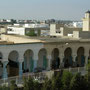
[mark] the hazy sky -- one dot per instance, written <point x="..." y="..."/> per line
<point x="44" y="9"/>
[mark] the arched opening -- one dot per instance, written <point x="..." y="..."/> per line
<point x="80" y="59"/>
<point x="68" y="58"/>
<point x="55" y="59"/>
<point x="1" y="65"/>
<point x="28" y="64"/>
<point x="42" y="59"/>
<point x="13" y="65"/>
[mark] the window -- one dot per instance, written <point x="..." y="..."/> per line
<point x="58" y="31"/>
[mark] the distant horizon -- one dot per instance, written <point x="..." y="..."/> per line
<point x="40" y="19"/>
<point x="73" y="10"/>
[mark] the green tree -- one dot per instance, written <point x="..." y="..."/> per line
<point x="13" y="86"/>
<point x="13" y="21"/>
<point x="88" y="74"/>
<point x="56" y="82"/>
<point x="4" y="87"/>
<point x="26" y="87"/>
<point x="37" y="85"/>
<point x="28" y="84"/>
<point x="47" y="84"/>
<point x="31" y="33"/>
<point x="66" y="79"/>
<point x="78" y="82"/>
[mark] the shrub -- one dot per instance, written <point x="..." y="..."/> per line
<point x="78" y="82"/>
<point x="66" y="79"/>
<point x="13" y="85"/>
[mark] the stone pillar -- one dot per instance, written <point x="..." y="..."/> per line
<point x="35" y="59"/>
<point x="49" y="62"/>
<point x="5" y="74"/>
<point x="61" y="55"/>
<point x="86" y="54"/>
<point x="86" y="60"/>
<point x="74" y="59"/>
<point x="74" y="54"/>
<point x="20" y="69"/>
<point x="35" y="62"/>
<point x="61" y="60"/>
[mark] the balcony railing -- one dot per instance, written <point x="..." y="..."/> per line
<point x="19" y="80"/>
<point x="41" y="75"/>
<point x="81" y="70"/>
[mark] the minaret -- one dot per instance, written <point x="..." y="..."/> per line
<point x="86" y="21"/>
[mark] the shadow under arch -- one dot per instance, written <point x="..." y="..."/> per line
<point x="1" y="65"/>
<point x="28" y="64"/>
<point x="55" y="59"/>
<point x="80" y="59"/>
<point x="13" y="65"/>
<point x="68" y="62"/>
<point x="42" y="59"/>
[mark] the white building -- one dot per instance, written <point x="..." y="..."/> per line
<point x="16" y="30"/>
<point x="61" y="30"/>
<point x="23" y="30"/>
<point x="36" y="25"/>
<point x="77" y="24"/>
<point x="86" y="21"/>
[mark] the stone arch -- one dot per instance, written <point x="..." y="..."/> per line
<point x="28" y="64"/>
<point x="1" y="56"/>
<point x="13" y="65"/>
<point x="55" y="59"/>
<point x="42" y="59"/>
<point x="68" y="57"/>
<point x="80" y="59"/>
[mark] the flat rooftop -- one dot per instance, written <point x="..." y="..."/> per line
<point x="5" y="42"/>
<point x="17" y="39"/>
